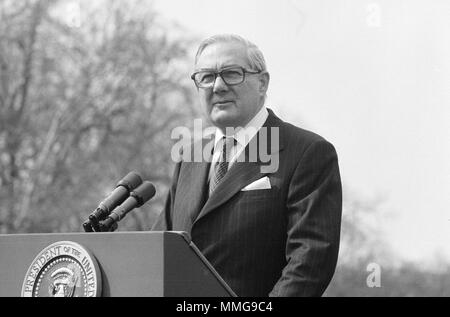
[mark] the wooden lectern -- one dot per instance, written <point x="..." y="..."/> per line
<point x="131" y="263"/>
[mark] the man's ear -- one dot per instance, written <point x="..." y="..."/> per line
<point x="264" y="80"/>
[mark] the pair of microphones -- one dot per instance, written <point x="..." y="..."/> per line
<point x="131" y="192"/>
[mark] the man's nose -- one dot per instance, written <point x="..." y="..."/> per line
<point x="219" y="85"/>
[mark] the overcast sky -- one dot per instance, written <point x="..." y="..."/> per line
<point x="373" y="77"/>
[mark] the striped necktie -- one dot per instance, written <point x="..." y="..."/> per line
<point x="221" y="166"/>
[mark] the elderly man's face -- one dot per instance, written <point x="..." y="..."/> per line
<point x="231" y="106"/>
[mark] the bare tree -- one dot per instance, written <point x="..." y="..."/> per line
<point x="80" y="107"/>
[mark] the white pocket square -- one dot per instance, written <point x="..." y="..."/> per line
<point x="262" y="183"/>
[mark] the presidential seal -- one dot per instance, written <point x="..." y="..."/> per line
<point x="63" y="269"/>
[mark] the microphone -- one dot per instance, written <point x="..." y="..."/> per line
<point x="137" y="198"/>
<point x="131" y="181"/>
<point x="118" y="195"/>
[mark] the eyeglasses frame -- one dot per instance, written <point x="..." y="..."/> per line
<point x="219" y="73"/>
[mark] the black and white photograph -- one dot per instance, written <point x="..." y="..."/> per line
<point x="224" y="153"/>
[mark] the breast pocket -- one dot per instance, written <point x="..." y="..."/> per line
<point x="257" y="194"/>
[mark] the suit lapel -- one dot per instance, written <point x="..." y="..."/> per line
<point x="243" y="172"/>
<point x="191" y="193"/>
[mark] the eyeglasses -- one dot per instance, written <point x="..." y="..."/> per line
<point x="231" y="76"/>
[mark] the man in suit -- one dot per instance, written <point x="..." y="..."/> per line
<point x="267" y="231"/>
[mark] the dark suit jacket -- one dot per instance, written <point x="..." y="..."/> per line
<point x="281" y="241"/>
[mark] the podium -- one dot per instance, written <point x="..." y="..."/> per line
<point x="136" y="264"/>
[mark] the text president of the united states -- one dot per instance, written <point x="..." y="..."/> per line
<point x="267" y="231"/>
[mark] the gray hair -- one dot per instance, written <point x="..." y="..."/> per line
<point x="255" y="56"/>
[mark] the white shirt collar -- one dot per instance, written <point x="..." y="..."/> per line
<point x="244" y="135"/>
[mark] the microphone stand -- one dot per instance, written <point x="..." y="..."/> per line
<point x="93" y="225"/>
<point x="106" y="228"/>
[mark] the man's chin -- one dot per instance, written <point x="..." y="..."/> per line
<point x="223" y="119"/>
